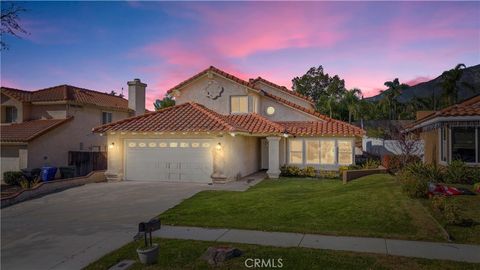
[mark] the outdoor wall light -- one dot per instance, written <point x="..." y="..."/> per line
<point x="218" y="147"/>
<point x="111" y="145"/>
<point x="232" y="134"/>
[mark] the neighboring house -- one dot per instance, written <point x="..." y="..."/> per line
<point x="224" y="128"/>
<point x="42" y="127"/>
<point x="452" y="133"/>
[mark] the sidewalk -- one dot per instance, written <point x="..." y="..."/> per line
<point x="428" y="250"/>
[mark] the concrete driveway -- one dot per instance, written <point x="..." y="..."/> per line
<point x="69" y="229"/>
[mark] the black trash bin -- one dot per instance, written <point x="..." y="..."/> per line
<point x="31" y="174"/>
<point x="67" y="172"/>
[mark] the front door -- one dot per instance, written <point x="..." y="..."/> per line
<point x="264" y="154"/>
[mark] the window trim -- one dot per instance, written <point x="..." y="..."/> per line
<point x="231" y="103"/>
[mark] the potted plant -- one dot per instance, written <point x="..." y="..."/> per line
<point x="148" y="251"/>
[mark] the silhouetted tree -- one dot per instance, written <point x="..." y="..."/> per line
<point x="10" y="23"/>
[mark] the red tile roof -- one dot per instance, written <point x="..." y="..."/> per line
<point x="27" y="131"/>
<point x="216" y="70"/>
<point x="469" y="107"/>
<point x="193" y="117"/>
<point x="282" y="88"/>
<point x="187" y="117"/>
<point x="315" y="128"/>
<point x="67" y="93"/>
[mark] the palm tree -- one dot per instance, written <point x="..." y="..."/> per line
<point x="390" y="96"/>
<point x="449" y="83"/>
<point x="352" y="100"/>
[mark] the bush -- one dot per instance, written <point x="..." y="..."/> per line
<point x="438" y="202"/>
<point x="451" y="212"/>
<point x="12" y="177"/>
<point x="371" y="164"/>
<point x="415" y="187"/>
<point x="475" y="174"/>
<point x="309" y="172"/>
<point x="393" y="163"/>
<point x="457" y="172"/>
<point x="476" y="187"/>
<point x="427" y="172"/>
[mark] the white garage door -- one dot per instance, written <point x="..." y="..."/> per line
<point x="186" y="160"/>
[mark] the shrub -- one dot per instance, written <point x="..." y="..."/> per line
<point x="427" y="172"/>
<point x="438" y="202"/>
<point x="329" y="174"/>
<point x="12" y="177"/>
<point x="309" y="172"/>
<point x="291" y="171"/>
<point x="371" y="164"/>
<point x="475" y="174"/>
<point x="413" y="186"/>
<point x="24" y="183"/>
<point x="457" y="172"/>
<point x="354" y="167"/>
<point x="451" y="212"/>
<point x="476" y="187"/>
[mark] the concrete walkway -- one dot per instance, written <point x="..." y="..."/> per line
<point x="428" y="250"/>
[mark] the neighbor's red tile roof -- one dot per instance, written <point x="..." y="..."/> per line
<point x="67" y="93"/>
<point x="193" y="117"/>
<point x="469" y="107"/>
<point x="334" y="128"/>
<point x="26" y="131"/>
<point x="282" y="88"/>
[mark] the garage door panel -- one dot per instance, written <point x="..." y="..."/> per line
<point x="156" y="160"/>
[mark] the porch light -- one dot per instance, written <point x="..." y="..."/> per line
<point x="110" y="146"/>
<point x="232" y="134"/>
<point x="101" y="134"/>
<point x="218" y="147"/>
<point x="285" y="135"/>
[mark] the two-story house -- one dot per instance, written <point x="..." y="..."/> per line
<point x="45" y="127"/>
<point x="223" y="128"/>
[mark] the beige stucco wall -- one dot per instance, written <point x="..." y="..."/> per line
<point x="283" y="112"/>
<point x="292" y="98"/>
<point x="242" y="153"/>
<point x="51" y="111"/>
<point x="56" y="143"/>
<point x="431" y="146"/>
<point x="195" y="92"/>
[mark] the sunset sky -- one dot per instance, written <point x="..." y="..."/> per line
<point x="102" y="45"/>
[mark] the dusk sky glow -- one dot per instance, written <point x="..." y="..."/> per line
<point x="102" y="45"/>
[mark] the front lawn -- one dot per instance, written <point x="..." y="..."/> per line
<point x="372" y="206"/>
<point x="185" y="254"/>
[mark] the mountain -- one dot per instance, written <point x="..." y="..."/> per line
<point x="471" y="76"/>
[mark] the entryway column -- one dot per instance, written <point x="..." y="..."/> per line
<point x="273" y="157"/>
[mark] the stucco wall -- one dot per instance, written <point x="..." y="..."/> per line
<point x="51" y="111"/>
<point x="282" y="94"/>
<point x="195" y="92"/>
<point x="431" y="146"/>
<point x="69" y="136"/>
<point x="242" y="155"/>
<point x="283" y="112"/>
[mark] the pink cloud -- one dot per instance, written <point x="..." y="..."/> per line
<point x="418" y="80"/>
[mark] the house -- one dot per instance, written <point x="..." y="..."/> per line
<point x="223" y="128"/>
<point x="45" y="127"/>
<point x="450" y="134"/>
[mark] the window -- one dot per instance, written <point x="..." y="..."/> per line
<point x="345" y="152"/>
<point x="239" y="104"/>
<point x="463" y="144"/>
<point x="106" y="117"/>
<point x="313" y="152"/>
<point x="10" y="114"/>
<point x="327" y="152"/>
<point x="443" y="144"/>
<point x="296" y="151"/>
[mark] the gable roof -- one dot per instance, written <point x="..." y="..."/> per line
<point x="27" y="131"/>
<point x="193" y="117"/>
<point x="216" y="70"/>
<point x="67" y="93"/>
<point x="468" y="107"/>
<point x="282" y="88"/>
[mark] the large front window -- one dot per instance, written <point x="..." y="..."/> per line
<point x="327" y="152"/>
<point x="463" y="144"/>
<point x="345" y="155"/>
<point x="313" y="152"/>
<point x="238" y="104"/>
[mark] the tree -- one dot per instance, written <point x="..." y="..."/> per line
<point x="390" y="97"/>
<point x="10" y="23"/>
<point x="326" y="91"/>
<point x="449" y="82"/>
<point x="352" y="102"/>
<point x="167" y="101"/>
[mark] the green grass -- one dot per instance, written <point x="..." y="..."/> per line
<point x="469" y="209"/>
<point x="372" y="206"/>
<point x="185" y="254"/>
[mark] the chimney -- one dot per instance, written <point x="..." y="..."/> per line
<point x="136" y="96"/>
